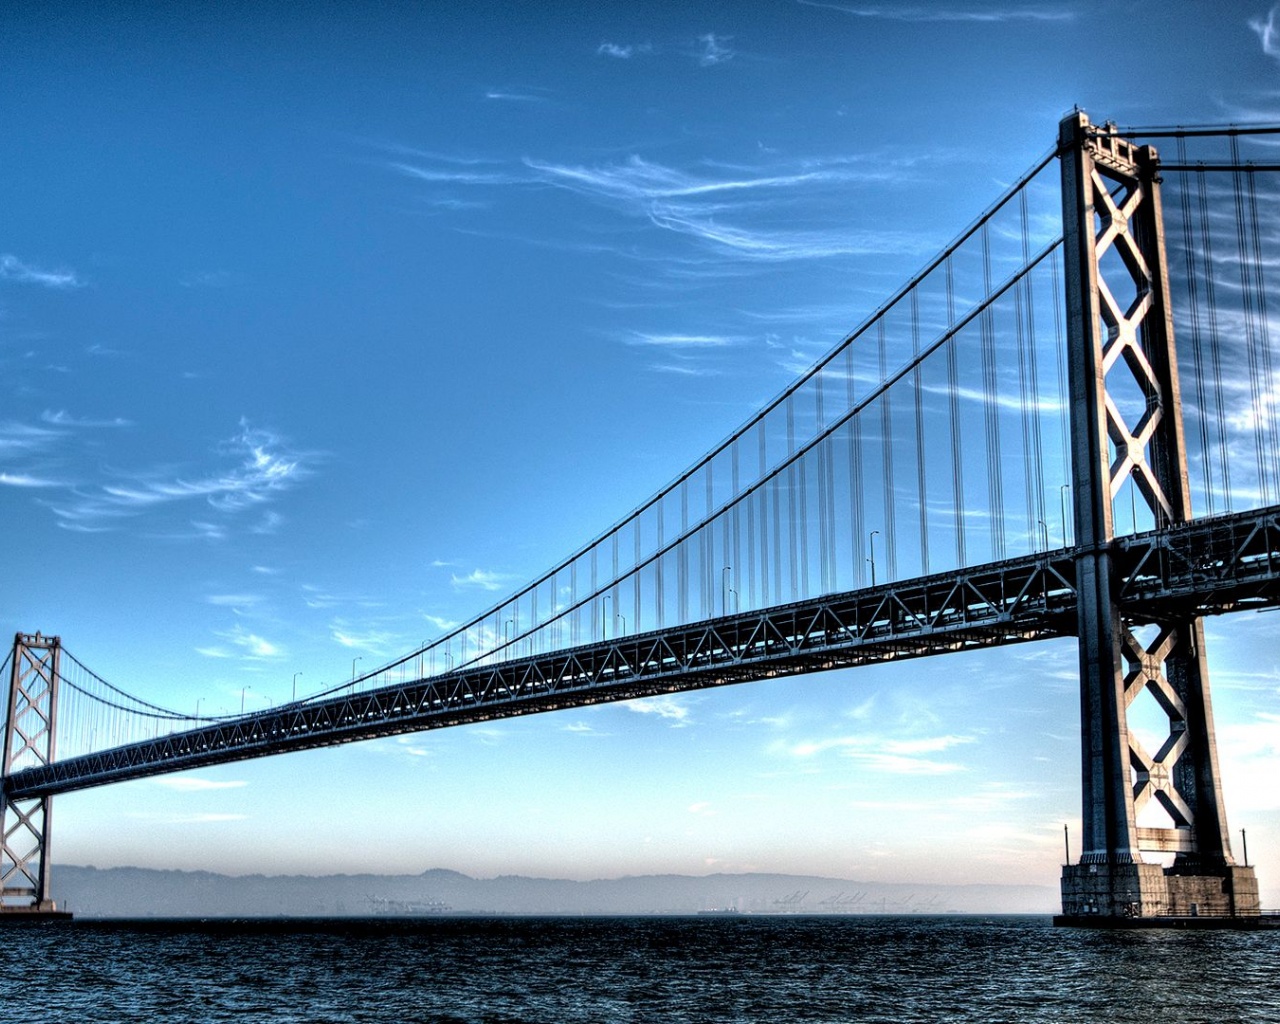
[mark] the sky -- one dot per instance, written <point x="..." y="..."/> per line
<point x="324" y="326"/>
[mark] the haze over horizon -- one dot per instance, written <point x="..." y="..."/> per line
<point x="325" y="327"/>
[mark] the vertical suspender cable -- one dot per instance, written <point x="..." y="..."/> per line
<point x="1031" y="394"/>
<point x="856" y="519"/>
<point x="660" y="573"/>
<point x="705" y="549"/>
<point x="995" y="491"/>
<point x="922" y="480"/>
<point x="735" y="558"/>
<point x="1215" y="341"/>
<point x="682" y="563"/>
<point x="1060" y="350"/>
<point x="886" y="455"/>
<point x="824" y="575"/>
<point x="1197" y="341"/>
<point x="1268" y="411"/>
<point x="953" y="399"/>
<point x="764" y="520"/>
<point x="1249" y="305"/>
<point x="791" y="498"/>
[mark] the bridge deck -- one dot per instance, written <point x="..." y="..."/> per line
<point x="1209" y="566"/>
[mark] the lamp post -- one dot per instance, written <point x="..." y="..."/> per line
<point x="353" y="671"/>
<point x="871" y="540"/>
<point x="242" y="690"/>
<point x="295" y="685"/>
<point x="1044" y="527"/>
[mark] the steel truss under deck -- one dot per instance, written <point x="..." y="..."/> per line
<point x="1203" y="567"/>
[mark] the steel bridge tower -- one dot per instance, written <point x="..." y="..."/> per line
<point x="30" y="725"/>
<point x="1126" y="426"/>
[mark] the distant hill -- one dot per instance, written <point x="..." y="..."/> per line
<point x="142" y="892"/>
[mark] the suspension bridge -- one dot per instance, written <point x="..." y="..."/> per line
<point x="1064" y="425"/>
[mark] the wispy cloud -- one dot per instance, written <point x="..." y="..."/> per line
<point x="481" y="579"/>
<point x="713" y="50"/>
<point x="1267" y="33"/>
<point x="62" y="418"/>
<point x="263" y="467"/>
<point x="25" y="480"/>
<point x="640" y="179"/>
<point x="318" y="597"/>
<point x="891" y="756"/>
<point x="253" y="646"/>
<point x="371" y="640"/>
<point x="685" y="369"/>
<point x="991" y="15"/>
<point x="511" y="96"/>
<point x="17" y="439"/>
<point x="623" y="51"/>
<point x="14" y="269"/>
<point x="778" y="245"/>
<point x="192" y="784"/>
<point x="236" y="602"/>
<point x="726" y="209"/>
<point x="680" y="340"/>
<point x="705" y="207"/>
<point x="671" y="708"/>
<point x="457" y="175"/>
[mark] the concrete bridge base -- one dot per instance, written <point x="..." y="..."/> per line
<point x="32" y="913"/>
<point x="1148" y="895"/>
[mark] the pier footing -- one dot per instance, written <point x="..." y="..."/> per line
<point x="32" y="913"/>
<point x="1151" y="896"/>
<point x="1096" y="921"/>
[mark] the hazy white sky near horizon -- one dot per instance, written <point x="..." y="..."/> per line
<point x="323" y="326"/>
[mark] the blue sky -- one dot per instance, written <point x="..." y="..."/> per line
<point x="324" y="326"/>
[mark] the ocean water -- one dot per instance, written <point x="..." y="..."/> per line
<point x="695" y="969"/>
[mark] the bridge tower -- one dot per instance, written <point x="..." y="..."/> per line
<point x="28" y="741"/>
<point x="1126" y="426"/>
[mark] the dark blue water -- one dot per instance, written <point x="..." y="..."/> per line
<point x="635" y="969"/>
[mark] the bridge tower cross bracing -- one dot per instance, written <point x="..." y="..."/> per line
<point x="30" y="726"/>
<point x="1126" y="427"/>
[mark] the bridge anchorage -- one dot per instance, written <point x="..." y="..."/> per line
<point x="785" y="500"/>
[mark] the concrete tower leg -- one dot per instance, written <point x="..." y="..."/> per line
<point x="1120" y="331"/>
<point x="25" y="824"/>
